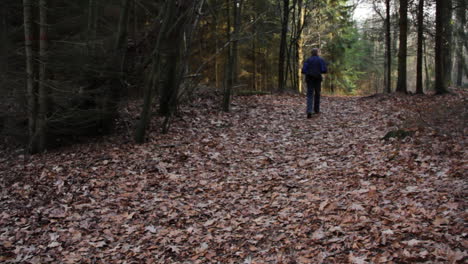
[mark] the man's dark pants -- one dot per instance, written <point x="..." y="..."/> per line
<point x="313" y="94"/>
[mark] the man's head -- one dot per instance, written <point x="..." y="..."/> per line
<point x="315" y="52"/>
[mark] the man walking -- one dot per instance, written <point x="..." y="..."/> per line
<point x="313" y="68"/>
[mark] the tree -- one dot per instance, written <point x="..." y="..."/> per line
<point x="282" y="49"/>
<point x="419" y="66"/>
<point x="229" y="65"/>
<point x="442" y="47"/>
<point x="402" y="50"/>
<point x="30" y="72"/>
<point x="461" y="68"/>
<point x="41" y="129"/>
<point x="388" y="49"/>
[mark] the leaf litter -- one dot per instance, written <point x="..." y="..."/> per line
<point x="260" y="184"/>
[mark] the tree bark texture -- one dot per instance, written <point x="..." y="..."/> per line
<point x="402" y="50"/>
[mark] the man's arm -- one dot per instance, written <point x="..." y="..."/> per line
<point x="323" y="66"/>
<point x="305" y="66"/>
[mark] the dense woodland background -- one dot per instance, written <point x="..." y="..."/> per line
<point x="69" y="68"/>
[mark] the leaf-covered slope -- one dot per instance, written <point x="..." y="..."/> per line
<point x="261" y="184"/>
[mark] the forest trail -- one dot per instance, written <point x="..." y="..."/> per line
<point x="261" y="184"/>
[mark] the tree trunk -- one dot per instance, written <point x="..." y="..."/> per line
<point x="153" y="77"/>
<point x="442" y="47"/>
<point x="91" y="29"/>
<point x="30" y="91"/>
<point x="461" y="41"/>
<point x="402" y="51"/>
<point x="181" y="14"/>
<point x="426" y="67"/>
<point x="122" y="35"/>
<point x="388" y="49"/>
<point x="282" y="51"/>
<point x="237" y="13"/>
<point x="419" y="64"/>
<point x="216" y="64"/>
<point x="3" y="40"/>
<point x="254" y="49"/>
<point x="41" y="128"/>
<point x="228" y="69"/>
<point x="299" y="44"/>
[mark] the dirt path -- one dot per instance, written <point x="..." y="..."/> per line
<point x="261" y="184"/>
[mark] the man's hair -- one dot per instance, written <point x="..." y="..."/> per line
<point x="314" y="52"/>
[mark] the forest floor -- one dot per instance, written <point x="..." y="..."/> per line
<point x="261" y="184"/>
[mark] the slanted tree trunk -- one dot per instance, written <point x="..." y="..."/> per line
<point x="153" y="77"/>
<point x="283" y="47"/>
<point x="41" y="128"/>
<point x="419" y="64"/>
<point x="30" y="73"/>
<point x="402" y="51"/>
<point x="388" y="49"/>
<point x="442" y="47"/>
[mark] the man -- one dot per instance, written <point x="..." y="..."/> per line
<point x="313" y="69"/>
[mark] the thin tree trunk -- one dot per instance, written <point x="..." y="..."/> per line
<point x="30" y="91"/>
<point x="426" y="67"/>
<point x="91" y="30"/>
<point x="282" y="51"/>
<point x="461" y="41"/>
<point x="237" y="13"/>
<point x="402" y="51"/>
<point x="254" y="60"/>
<point x="122" y="35"/>
<point x="41" y="128"/>
<point x="388" y="49"/>
<point x="419" y="64"/>
<point x="216" y="66"/>
<point x="300" y="43"/>
<point x="442" y="47"/>
<point x="3" y="40"/>
<point x="228" y="69"/>
<point x="254" y="48"/>
<point x="152" y="80"/>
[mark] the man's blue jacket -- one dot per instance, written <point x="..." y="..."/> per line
<point x="314" y="66"/>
